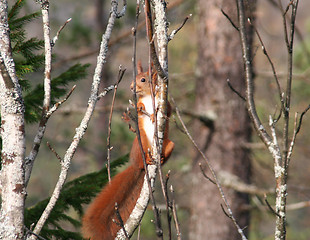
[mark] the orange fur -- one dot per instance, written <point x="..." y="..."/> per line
<point x="126" y="186"/>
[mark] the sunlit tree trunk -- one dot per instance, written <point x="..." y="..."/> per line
<point x="219" y="59"/>
<point x="12" y="174"/>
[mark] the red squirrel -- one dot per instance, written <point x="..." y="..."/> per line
<point x="125" y="187"/>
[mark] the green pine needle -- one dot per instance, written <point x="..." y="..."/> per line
<point x="74" y="195"/>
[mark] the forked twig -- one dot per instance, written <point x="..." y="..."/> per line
<point x="271" y="64"/>
<point x="80" y="131"/>
<point x="230" y="214"/>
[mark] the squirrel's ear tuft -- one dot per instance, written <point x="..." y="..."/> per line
<point x="139" y="67"/>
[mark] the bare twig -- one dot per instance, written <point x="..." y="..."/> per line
<point x="234" y="182"/>
<point x="29" y="161"/>
<point x="168" y="204"/>
<point x="271" y="64"/>
<point x="113" y="41"/>
<point x="48" y="57"/>
<point x="120" y="220"/>
<point x="301" y="118"/>
<point x="174" y="32"/>
<point x="249" y="77"/>
<point x="296" y="131"/>
<point x="149" y="31"/>
<point x="80" y="131"/>
<point x="234" y="90"/>
<point x="105" y="91"/>
<point x="161" y="66"/>
<point x="122" y="12"/>
<point x="109" y="148"/>
<point x="29" y="232"/>
<point x="230" y="214"/>
<point x="270" y="207"/>
<point x="204" y="174"/>
<point x="58" y="104"/>
<point x="146" y="191"/>
<point x="54" y="151"/>
<point x="53" y="42"/>
<point x="229" y="19"/>
<point x="175" y="215"/>
<point x="299" y="205"/>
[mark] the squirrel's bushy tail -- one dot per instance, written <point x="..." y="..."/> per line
<point x="124" y="190"/>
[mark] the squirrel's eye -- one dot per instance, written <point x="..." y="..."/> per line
<point x="142" y="79"/>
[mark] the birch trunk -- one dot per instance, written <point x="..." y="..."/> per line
<point x="13" y="139"/>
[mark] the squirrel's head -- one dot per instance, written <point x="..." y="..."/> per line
<point x="142" y="81"/>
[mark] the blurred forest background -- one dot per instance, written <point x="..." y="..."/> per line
<point x="79" y="43"/>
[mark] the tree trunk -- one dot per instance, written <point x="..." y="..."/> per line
<point x="220" y="58"/>
<point x="12" y="175"/>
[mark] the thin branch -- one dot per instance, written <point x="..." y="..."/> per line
<point x="80" y="131"/>
<point x="299" y="205"/>
<point x="113" y="41"/>
<point x="289" y="83"/>
<point x="270" y="207"/>
<point x="288" y="7"/>
<point x="205" y="175"/>
<point x="120" y="220"/>
<point x="297" y="127"/>
<point x="28" y="232"/>
<point x="234" y="90"/>
<point x="224" y="211"/>
<point x="168" y="204"/>
<point x="53" y="42"/>
<point x="174" y="32"/>
<point x="229" y="19"/>
<point x="109" y="148"/>
<point x="149" y="32"/>
<point x="234" y="182"/>
<point x="214" y="177"/>
<point x="105" y="91"/>
<point x="161" y="66"/>
<point x="175" y="215"/>
<point x="271" y="64"/>
<point x="249" y="77"/>
<point x="54" y="151"/>
<point x="122" y="12"/>
<point x="301" y="118"/>
<point x="48" y="56"/>
<point x="150" y="171"/>
<point x="29" y="160"/>
<point x="58" y="104"/>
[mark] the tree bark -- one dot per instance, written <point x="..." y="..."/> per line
<point x="219" y="59"/>
<point x="12" y="175"/>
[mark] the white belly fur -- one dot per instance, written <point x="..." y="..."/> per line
<point x="148" y="125"/>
